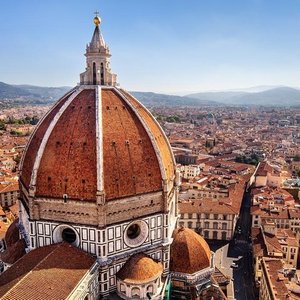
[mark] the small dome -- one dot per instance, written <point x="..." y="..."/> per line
<point x="140" y="268"/>
<point x="189" y="252"/>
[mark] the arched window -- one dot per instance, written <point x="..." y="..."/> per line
<point x="94" y="73"/>
<point x="102" y="74"/>
<point x="135" y="292"/>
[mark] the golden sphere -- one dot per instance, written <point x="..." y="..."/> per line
<point x="97" y="20"/>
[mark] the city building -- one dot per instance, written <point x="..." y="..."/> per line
<point x="278" y="282"/>
<point x="213" y="206"/>
<point x="9" y="194"/>
<point x="270" y="241"/>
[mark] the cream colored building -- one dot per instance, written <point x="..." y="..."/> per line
<point x="213" y="206"/>
<point x="190" y="171"/>
<point x="212" y="220"/>
<point x="9" y="194"/>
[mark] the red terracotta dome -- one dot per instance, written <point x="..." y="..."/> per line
<point x="189" y="252"/>
<point x="97" y="139"/>
<point x="140" y="268"/>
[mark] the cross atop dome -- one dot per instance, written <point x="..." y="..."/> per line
<point x="97" y="54"/>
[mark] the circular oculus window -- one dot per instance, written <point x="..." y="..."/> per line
<point x="65" y="233"/>
<point x="68" y="235"/>
<point x="136" y="233"/>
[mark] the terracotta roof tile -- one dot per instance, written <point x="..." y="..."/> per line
<point x="140" y="268"/>
<point x="189" y="252"/>
<point x="35" y="142"/>
<point x="50" y="272"/>
<point x="130" y="163"/>
<point x="68" y="164"/>
<point x="14" y="252"/>
<point x="161" y="141"/>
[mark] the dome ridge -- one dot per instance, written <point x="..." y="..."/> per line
<point x="54" y="121"/>
<point x="167" y="159"/>
<point x="22" y="168"/>
<point x="150" y="134"/>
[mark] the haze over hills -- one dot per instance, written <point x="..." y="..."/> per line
<point x="12" y="95"/>
<point x="275" y="96"/>
<point x="154" y="99"/>
<point x="15" y="95"/>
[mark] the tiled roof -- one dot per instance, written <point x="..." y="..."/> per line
<point x="160" y="139"/>
<point x="35" y="142"/>
<point x="136" y="153"/>
<point x="72" y="143"/>
<point x="189" y="252"/>
<point x="130" y="163"/>
<point x="272" y="267"/>
<point x="272" y="243"/>
<point x="11" y="187"/>
<point x="140" y="268"/>
<point x="258" y="245"/>
<point x="50" y="272"/>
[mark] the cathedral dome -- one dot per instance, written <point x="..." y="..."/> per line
<point x="189" y="252"/>
<point x="140" y="268"/>
<point x="97" y="139"/>
<point x="98" y="156"/>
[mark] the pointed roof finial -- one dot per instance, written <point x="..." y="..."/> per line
<point x="97" y="19"/>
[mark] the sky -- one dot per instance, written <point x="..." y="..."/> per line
<point x="171" y="46"/>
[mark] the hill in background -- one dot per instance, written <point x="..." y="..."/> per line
<point x="275" y="96"/>
<point x="17" y="95"/>
<point x="153" y="99"/>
